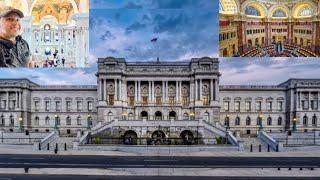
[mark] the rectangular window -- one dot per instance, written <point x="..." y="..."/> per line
<point x="237" y="106"/>
<point x="145" y="101"/>
<point x="158" y="101"/>
<point x="313" y="105"/>
<point x="36" y="106"/>
<point x="226" y="105"/>
<point x="79" y="105"/>
<point x="47" y="121"/>
<point x="248" y="105"/>
<point x="90" y="106"/>
<point x="47" y="105"/>
<point x="258" y="105"/>
<point x="12" y="104"/>
<point x="171" y="100"/>
<point x="68" y="106"/>
<point x="185" y="101"/>
<point x="58" y="106"/>
<point x="280" y="106"/>
<point x="111" y="100"/>
<point x="3" y="104"/>
<point x="269" y="106"/>
<point x="206" y="100"/>
<point x="131" y="101"/>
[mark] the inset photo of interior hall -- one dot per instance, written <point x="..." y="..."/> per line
<point x="269" y="28"/>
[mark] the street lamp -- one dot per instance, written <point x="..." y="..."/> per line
<point x="260" y="122"/>
<point x="20" y="123"/>
<point x="294" y="128"/>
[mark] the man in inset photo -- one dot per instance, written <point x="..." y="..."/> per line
<point x="14" y="51"/>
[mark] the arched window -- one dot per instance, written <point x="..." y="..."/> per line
<point x="144" y="115"/>
<point x="305" y="120"/>
<point x="158" y="115"/>
<point x="237" y="121"/>
<point x="269" y="121"/>
<point x="47" y="120"/>
<point x="306" y="11"/>
<point x="279" y="13"/>
<point x="11" y="120"/>
<point x="227" y="121"/>
<point x="207" y="116"/>
<point x="131" y="116"/>
<point x="279" y="121"/>
<point x="172" y="115"/>
<point x="252" y="11"/>
<point x="2" y="122"/>
<point x="68" y="121"/>
<point x="248" y="121"/>
<point x="314" y="120"/>
<point x="185" y="116"/>
<point x="259" y="119"/>
<point x="36" y="121"/>
<point x="78" y="120"/>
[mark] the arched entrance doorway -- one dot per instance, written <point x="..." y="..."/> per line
<point x="158" y="137"/>
<point x="130" y="138"/>
<point x="187" y="137"/>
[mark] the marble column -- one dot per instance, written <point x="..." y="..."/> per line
<point x="318" y="103"/>
<point x="153" y="92"/>
<point x="104" y="91"/>
<point x="163" y="92"/>
<point x="120" y="90"/>
<point x="16" y="103"/>
<point x="309" y="100"/>
<point x="139" y="91"/>
<point x="20" y="99"/>
<point x="191" y="90"/>
<point x="216" y="85"/>
<point x="299" y="100"/>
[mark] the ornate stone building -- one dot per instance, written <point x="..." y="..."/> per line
<point x="55" y="31"/>
<point x="174" y="99"/>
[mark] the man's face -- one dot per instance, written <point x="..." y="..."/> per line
<point x="10" y="26"/>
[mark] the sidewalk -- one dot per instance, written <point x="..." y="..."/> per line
<point x="217" y="172"/>
<point x="310" y="152"/>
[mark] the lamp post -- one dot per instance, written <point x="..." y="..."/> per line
<point x="260" y="122"/>
<point x="20" y="124"/>
<point x="294" y="128"/>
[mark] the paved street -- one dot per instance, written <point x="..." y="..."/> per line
<point x="71" y="161"/>
<point x="50" y="177"/>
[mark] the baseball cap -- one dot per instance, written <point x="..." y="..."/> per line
<point x="5" y="11"/>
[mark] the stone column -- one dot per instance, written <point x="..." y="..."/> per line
<point x="216" y="89"/>
<point x="318" y="100"/>
<point x="163" y="92"/>
<point x="99" y="90"/>
<point x="299" y="100"/>
<point x="116" y="89"/>
<point x="167" y="97"/>
<point x="153" y="92"/>
<point x="120" y="90"/>
<point x="309" y="100"/>
<point x="7" y="106"/>
<point x="196" y="89"/>
<point x="135" y="91"/>
<point x="177" y="95"/>
<point x="125" y="91"/>
<point x="16" y="103"/>
<point x="139" y="91"/>
<point x="180" y="92"/>
<point x="104" y="91"/>
<point x="211" y="90"/>
<point x="149" y="91"/>
<point x="20" y="99"/>
<point x="191" y="90"/>
<point x="200" y="89"/>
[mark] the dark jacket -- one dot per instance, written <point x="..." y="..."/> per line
<point x="14" y="55"/>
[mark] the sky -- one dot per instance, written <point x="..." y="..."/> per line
<point x="183" y="28"/>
